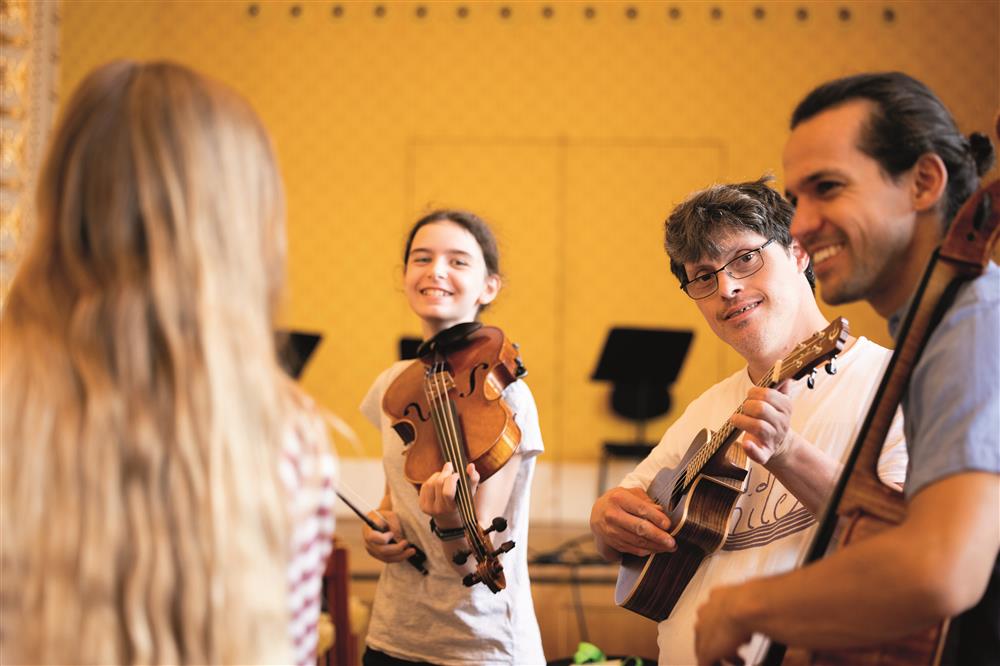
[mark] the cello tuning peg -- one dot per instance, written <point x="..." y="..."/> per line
<point x="505" y="547"/>
<point x="460" y="557"/>
<point x="470" y="580"/>
<point x="831" y="367"/>
<point x="498" y="525"/>
<point x="811" y="381"/>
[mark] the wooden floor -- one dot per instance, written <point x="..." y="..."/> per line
<point x="574" y="601"/>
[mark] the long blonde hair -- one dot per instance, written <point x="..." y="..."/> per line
<point x="143" y="519"/>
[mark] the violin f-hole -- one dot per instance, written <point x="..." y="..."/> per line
<point x="415" y="407"/>
<point x="472" y="379"/>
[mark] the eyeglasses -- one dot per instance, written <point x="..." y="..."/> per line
<point x="742" y="266"/>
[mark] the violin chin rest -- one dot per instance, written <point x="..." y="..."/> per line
<point x="448" y="338"/>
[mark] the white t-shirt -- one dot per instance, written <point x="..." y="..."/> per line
<point x="770" y="529"/>
<point x="435" y="618"/>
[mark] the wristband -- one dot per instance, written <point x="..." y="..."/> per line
<point x="447" y="534"/>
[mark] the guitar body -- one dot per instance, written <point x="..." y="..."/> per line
<point x="699" y="516"/>
<point x="699" y="494"/>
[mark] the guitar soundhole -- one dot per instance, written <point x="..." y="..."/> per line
<point x="677" y="492"/>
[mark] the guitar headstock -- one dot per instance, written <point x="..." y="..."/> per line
<point x="812" y="352"/>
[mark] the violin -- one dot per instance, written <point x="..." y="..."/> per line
<point x="446" y="407"/>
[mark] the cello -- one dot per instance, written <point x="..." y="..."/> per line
<point x="447" y="407"/>
<point x="860" y="505"/>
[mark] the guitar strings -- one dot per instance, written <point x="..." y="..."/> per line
<point x="793" y="360"/>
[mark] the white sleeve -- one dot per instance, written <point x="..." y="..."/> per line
<point x="371" y="405"/>
<point x="893" y="460"/>
<point x="522" y="402"/>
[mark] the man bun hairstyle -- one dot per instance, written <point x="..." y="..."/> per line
<point x="907" y="120"/>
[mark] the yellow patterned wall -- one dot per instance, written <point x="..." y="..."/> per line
<point x="574" y="127"/>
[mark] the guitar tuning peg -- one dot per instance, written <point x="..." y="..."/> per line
<point x="811" y="381"/>
<point x="831" y="367"/>
<point x="505" y="547"/>
<point x="460" y="557"/>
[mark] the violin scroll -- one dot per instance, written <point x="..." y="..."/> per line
<point x="489" y="571"/>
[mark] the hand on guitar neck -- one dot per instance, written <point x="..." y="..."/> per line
<point x="768" y="439"/>
<point x="629" y="521"/>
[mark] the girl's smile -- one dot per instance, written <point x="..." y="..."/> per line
<point x="445" y="279"/>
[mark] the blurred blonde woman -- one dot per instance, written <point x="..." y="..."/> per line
<point x="166" y="492"/>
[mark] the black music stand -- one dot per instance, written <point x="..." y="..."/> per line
<point x="295" y="349"/>
<point x="641" y="363"/>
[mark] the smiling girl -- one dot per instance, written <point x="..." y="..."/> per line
<point x="451" y="272"/>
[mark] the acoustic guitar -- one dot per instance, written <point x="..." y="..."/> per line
<point x="698" y="495"/>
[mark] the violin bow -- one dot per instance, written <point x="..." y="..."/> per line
<point x="416" y="560"/>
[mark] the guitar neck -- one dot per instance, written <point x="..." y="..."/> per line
<point x="724" y="435"/>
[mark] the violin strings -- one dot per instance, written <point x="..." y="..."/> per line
<point x="433" y="392"/>
<point x="466" y="490"/>
<point x="448" y="436"/>
<point x="470" y="509"/>
<point x="452" y="441"/>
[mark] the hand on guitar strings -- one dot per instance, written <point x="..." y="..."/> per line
<point x="437" y="494"/>
<point x="377" y="543"/>
<point x="628" y="521"/>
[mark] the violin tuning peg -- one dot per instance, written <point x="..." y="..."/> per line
<point x="505" y="547"/>
<point x="460" y="557"/>
<point x="470" y="580"/>
<point x="831" y="367"/>
<point x="499" y="524"/>
<point x="516" y="345"/>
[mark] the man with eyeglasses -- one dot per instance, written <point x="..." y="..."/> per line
<point x="731" y="250"/>
<point x="878" y="167"/>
